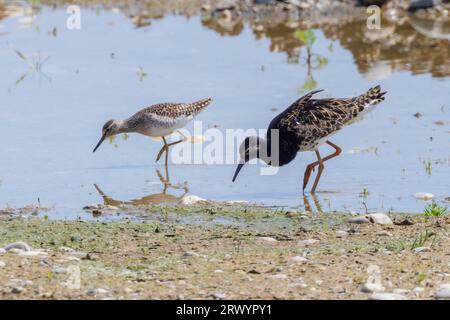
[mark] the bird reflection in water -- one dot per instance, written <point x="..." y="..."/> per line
<point x="157" y="198"/>
<point x="308" y="205"/>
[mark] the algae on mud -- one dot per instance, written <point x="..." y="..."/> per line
<point x="137" y="260"/>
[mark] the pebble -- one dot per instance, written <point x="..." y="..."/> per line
<point x="298" y="259"/>
<point x="191" y="254"/>
<point x="266" y="239"/>
<point x="2" y="251"/>
<point x="279" y="276"/>
<point x="59" y="270"/>
<point x="2" y="264"/>
<point x="422" y="249"/>
<point x="17" y="290"/>
<point x="424" y="196"/>
<point x="22" y="246"/>
<point x="94" y="292"/>
<point x="384" y="234"/>
<point x="191" y="199"/>
<point x="443" y="293"/>
<point x="219" y="296"/>
<point x="359" y="220"/>
<point x="379" y="218"/>
<point x="387" y="296"/>
<point x="307" y="242"/>
<point x="371" y="287"/>
<point x="78" y="254"/>
<point x="341" y="233"/>
<point x="33" y="253"/>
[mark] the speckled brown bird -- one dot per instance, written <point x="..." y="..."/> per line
<point x="304" y="126"/>
<point x="160" y="120"/>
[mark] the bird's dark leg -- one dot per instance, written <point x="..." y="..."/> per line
<point x="319" y="172"/>
<point x="311" y="166"/>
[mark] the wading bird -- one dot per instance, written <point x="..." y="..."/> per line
<point x="304" y="126"/>
<point x="160" y="120"/>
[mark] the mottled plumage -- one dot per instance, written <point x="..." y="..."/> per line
<point x="306" y="124"/>
<point x="159" y="120"/>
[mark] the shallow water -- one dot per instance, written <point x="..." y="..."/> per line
<point x="51" y="118"/>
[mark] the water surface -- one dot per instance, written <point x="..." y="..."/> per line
<point x="51" y="118"/>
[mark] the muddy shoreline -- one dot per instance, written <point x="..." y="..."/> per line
<point x="313" y="257"/>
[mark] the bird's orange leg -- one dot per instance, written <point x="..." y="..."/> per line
<point x="319" y="172"/>
<point x="311" y="166"/>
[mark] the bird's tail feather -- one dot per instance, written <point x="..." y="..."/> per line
<point x="372" y="96"/>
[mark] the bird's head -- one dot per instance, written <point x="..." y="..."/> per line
<point x="110" y="128"/>
<point x="250" y="149"/>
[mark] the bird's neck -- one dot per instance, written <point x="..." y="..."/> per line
<point x="123" y="126"/>
<point x="280" y="153"/>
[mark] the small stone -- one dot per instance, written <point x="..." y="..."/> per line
<point x="218" y="271"/>
<point x="424" y="196"/>
<point x="443" y="293"/>
<point x="59" y="270"/>
<point x="371" y="287"/>
<point x="358" y="220"/>
<point x="2" y="264"/>
<point x="2" y="251"/>
<point x="33" y="253"/>
<point x="78" y="254"/>
<point x="298" y="259"/>
<point x="279" y="276"/>
<point x="387" y="296"/>
<point x="22" y="246"/>
<point x="341" y="233"/>
<point x="219" y="296"/>
<point x="307" y="242"/>
<point x="384" y="234"/>
<point x="422" y="249"/>
<point x="190" y="254"/>
<point x="17" y="290"/>
<point x="266" y="239"/>
<point x="379" y="218"/>
<point x="94" y="292"/>
<point x="191" y="199"/>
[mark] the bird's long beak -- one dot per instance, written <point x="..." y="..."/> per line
<point x="239" y="167"/>
<point x="99" y="143"/>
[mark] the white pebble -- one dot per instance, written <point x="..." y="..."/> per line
<point x="443" y="293"/>
<point x="279" y="276"/>
<point x="422" y="249"/>
<point x="33" y="253"/>
<point x="424" y="196"/>
<point x="298" y="259"/>
<point x="2" y="251"/>
<point x="266" y="239"/>
<point x="341" y="233"/>
<point x="191" y="199"/>
<point x="378" y="218"/>
<point x="2" y="264"/>
<point x="307" y="242"/>
<point x="387" y="296"/>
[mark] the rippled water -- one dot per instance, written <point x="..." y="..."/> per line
<point x="51" y="114"/>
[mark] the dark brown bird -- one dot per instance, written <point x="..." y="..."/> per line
<point x="304" y="126"/>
